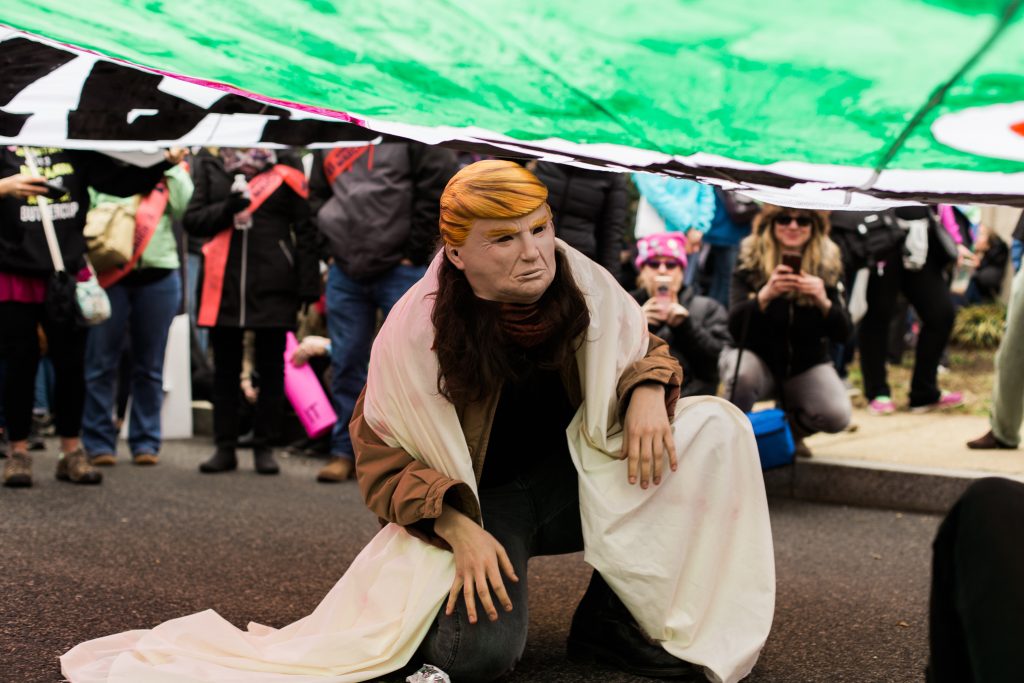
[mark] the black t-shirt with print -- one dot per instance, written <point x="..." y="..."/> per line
<point x="23" y="248"/>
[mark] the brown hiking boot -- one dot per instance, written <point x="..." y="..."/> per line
<point x="338" y="469"/>
<point x="18" y="470"/>
<point x="75" y="467"/>
<point x="104" y="460"/>
<point x="144" y="459"/>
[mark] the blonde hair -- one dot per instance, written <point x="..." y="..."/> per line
<point x="487" y="189"/>
<point x="760" y="252"/>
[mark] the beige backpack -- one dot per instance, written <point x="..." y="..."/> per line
<point x="110" y="234"/>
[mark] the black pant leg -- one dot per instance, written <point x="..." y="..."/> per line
<point x="269" y="363"/>
<point x="928" y="292"/>
<point x="976" y="622"/>
<point x="19" y="345"/>
<point x="66" y="350"/>
<point x="226" y="343"/>
<point x="874" y="329"/>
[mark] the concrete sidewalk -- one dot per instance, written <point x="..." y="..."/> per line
<point x="901" y="461"/>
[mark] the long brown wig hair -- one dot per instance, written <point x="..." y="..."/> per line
<point x="475" y="356"/>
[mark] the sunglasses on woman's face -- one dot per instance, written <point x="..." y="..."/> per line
<point x="669" y="265"/>
<point x="784" y="219"/>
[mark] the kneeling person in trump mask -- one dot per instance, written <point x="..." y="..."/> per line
<point x="517" y="406"/>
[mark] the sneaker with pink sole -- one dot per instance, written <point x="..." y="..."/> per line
<point x="947" y="399"/>
<point x="882" y="405"/>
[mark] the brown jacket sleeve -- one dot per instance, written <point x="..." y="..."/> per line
<point x="657" y="366"/>
<point x="397" y="487"/>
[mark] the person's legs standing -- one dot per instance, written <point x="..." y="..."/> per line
<point x="153" y="309"/>
<point x="226" y="343"/>
<point x="19" y="344"/>
<point x="754" y="382"/>
<point x="976" y="615"/>
<point x="3" y="419"/>
<point x="816" y="401"/>
<point x="269" y="360"/>
<point x="1008" y="389"/>
<point x="66" y="346"/>
<point x="874" y="330"/>
<point x="928" y="292"/>
<point x="351" y="315"/>
<point x="103" y="353"/>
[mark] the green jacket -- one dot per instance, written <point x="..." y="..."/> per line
<point x="162" y="250"/>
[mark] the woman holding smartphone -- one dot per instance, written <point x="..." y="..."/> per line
<point x="785" y="307"/>
<point x="695" y="327"/>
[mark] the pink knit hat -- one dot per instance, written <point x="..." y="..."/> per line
<point x="667" y="245"/>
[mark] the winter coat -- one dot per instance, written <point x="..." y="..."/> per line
<point x="383" y="208"/>
<point x="697" y="342"/>
<point x="588" y="209"/>
<point x="788" y="336"/>
<point x="23" y="248"/>
<point x="401" y="489"/>
<point x="273" y="266"/>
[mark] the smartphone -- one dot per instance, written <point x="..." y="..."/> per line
<point x="793" y="260"/>
<point x="53" y="191"/>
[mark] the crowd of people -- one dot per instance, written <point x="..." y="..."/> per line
<point x="754" y="301"/>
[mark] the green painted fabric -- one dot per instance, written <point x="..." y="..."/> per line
<point x="831" y="81"/>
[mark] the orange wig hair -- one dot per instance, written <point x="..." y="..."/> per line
<point x="487" y="189"/>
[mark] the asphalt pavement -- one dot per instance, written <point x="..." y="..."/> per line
<point x="151" y="544"/>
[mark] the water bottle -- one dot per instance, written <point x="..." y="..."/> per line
<point x="243" y="219"/>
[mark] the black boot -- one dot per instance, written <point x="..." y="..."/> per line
<point x="263" y="460"/>
<point x="222" y="460"/>
<point x="604" y="631"/>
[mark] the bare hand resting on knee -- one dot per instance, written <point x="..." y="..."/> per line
<point x="647" y="435"/>
<point x="479" y="563"/>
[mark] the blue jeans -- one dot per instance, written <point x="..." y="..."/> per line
<point x="538" y="513"/>
<point x="721" y="260"/>
<point x="145" y="313"/>
<point x="1015" y="254"/>
<point x="351" y="322"/>
<point x="45" y="381"/>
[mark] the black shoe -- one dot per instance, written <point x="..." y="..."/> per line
<point x="604" y="631"/>
<point x="263" y="460"/>
<point x="222" y="460"/>
<point x="989" y="441"/>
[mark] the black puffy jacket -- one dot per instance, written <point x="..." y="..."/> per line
<point x="589" y="210"/>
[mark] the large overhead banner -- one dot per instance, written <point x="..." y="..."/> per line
<point x="56" y="96"/>
<point x="832" y="102"/>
